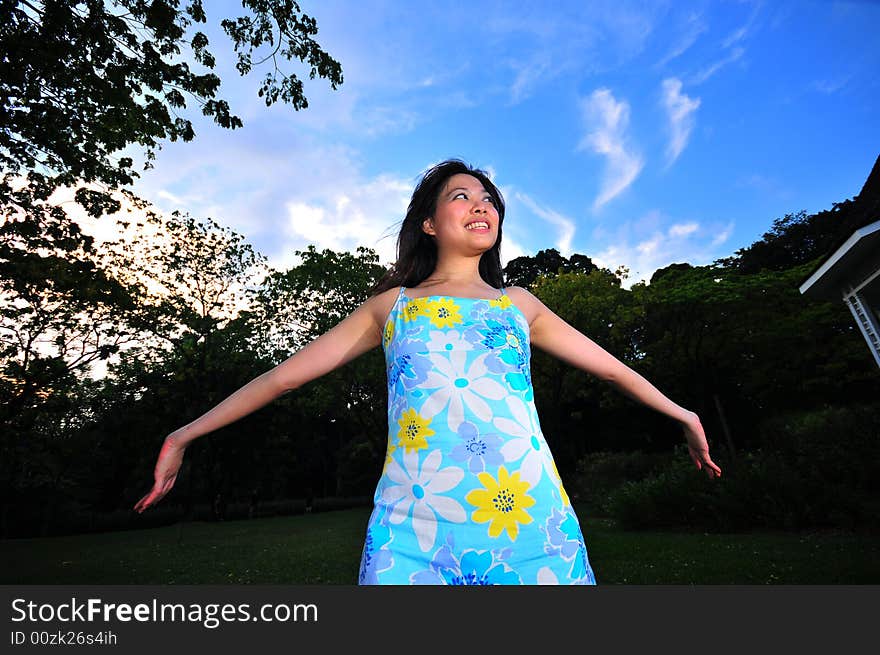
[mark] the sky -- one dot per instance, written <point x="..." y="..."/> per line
<point x="638" y="134"/>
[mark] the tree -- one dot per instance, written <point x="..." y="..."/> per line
<point x="304" y="302"/>
<point x="194" y="276"/>
<point x="572" y="404"/>
<point x="346" y="407"/>
<point x="795" y="239"/>
<point x="198" y="278"/>
<point x="524" y="271"/>
<point x="80" y="82"/>
<point x="738" y="347"/>
<point x="164" y="298"/>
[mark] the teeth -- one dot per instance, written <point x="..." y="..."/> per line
<point x="471" y="226"/>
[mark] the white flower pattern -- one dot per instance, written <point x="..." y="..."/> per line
<point x="458" y="386"/>
<point x="471" y="385"/>
<point x="527" y="443"/>
<point x="421" y="488"/>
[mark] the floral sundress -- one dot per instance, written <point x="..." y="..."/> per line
<point x="469" y="492"/>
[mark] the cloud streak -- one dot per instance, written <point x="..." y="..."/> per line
<point x="528" y="77"/>
<point x="710" y="70"/>
<point x="695" y="27"/>
<point x="644" y="246"/>
<point x="741" y="33"/>
<point x="348" y="217"/>
<point x="681" y="116"/>
<point x="608" y="119"/>
<point x="565" y="225"/>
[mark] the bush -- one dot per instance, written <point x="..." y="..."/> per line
<point x="82" y="521"/>
<point x="815" y="469"/>
<point x="600" y="473"/>
<point x="675" y="496"/>
<point x="835" y="451"/>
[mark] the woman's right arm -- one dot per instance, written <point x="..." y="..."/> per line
<point x="350" y="338"/>
<point x="347" y="340"/>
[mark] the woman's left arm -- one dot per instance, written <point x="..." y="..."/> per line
<point x="553" y="335"/>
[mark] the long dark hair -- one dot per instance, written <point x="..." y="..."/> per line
<point x="417" y="251"/>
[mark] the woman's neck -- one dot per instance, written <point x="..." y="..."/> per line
<point x="456" y="283"/>
<point x="457" y="272"/>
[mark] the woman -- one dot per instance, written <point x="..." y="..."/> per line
<point x="469" y="493"/>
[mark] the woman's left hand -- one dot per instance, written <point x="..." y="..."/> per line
<point x="698" y="447"/>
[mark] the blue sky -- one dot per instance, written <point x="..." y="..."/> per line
<point x="638" y="134"/>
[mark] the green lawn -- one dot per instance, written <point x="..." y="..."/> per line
<point x="325" y="547"/>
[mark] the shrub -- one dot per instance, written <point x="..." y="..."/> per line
<point x="600" y="473"/>
<point x="814" y="469"/>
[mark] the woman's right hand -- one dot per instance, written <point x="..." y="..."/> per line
<point x="165" y="473"/>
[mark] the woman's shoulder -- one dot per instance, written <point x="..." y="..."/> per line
<point x="380" y="304"/>
<point x="525" y="302"/>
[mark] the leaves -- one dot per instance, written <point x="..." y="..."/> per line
<point x="80" y="82"/>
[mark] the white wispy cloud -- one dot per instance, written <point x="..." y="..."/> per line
<point x="565" y="226"/>
<point x="351" y="111"/>
<point x="829" y="86"/>
<point x="645" y="245"/>
<point x="683" y="229"/>
<point x="735" y="36"/>
<point x="528" y="76"/>
<point x="713" y="68"/>
<point x="607" y="121"/>
<point x="681" y="116"/>
<point x="723" y="235"/>
<point x="694" y="27"/>
<point x="342" y="218"/>
<point x="282" y="195"/>
<point x="766" y="185"/>
<point x="743" y="31"/>
<point x="511" y="248"/>
<point x="731" y="46"/>
<point x="541" y="46"/>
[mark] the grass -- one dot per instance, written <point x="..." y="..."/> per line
<point x="325" y="547"/>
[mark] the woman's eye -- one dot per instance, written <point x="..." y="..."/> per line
<point x="460" y="193"/>
<point x="490" y="199"/>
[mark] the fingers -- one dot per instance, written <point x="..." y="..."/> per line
<point x="164" y="473"/>
<point x="712" y="469"/>
<point x="146" y="502"/>
<point x="713" y="465"/>
<point x="142" y="504"/>
<point x="156" y="494"/>
<point x="699" y="450"/>
<point x="703" y="462"/>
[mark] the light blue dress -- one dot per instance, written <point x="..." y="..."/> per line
<point x="469" y="492"/>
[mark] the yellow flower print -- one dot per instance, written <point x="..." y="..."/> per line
<point x="388" y="334"/>
<point x="444" y="312"/>
<point x="501" y="502"/>
<point x="562" y="492"/>
<point x="388" y="453"/>
<point x="413" y="431"/>
<point x="414" y="308"/>
<point x="501" y="303"/>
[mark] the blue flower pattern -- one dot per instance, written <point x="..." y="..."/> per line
<point x="459" y="383"/>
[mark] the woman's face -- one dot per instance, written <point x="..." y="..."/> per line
<point x="463" y="202"/>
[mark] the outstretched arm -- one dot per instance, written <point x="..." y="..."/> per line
<point x="353" y="336"/>
<point x="552" y="334"/>
<point x="350" y="338"/>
